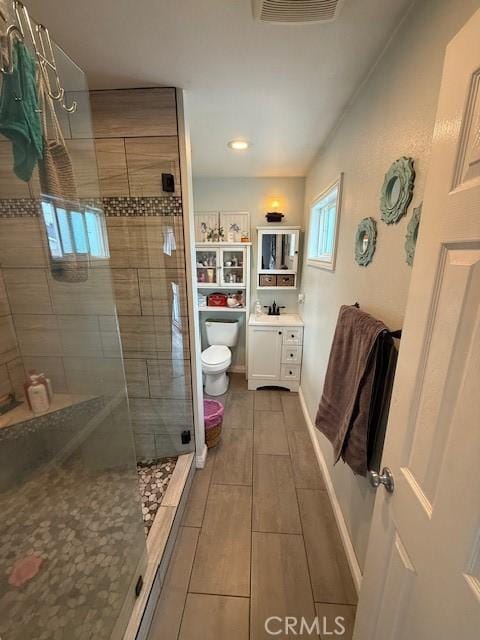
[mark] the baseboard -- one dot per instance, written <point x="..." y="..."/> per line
<point x="201" y="459"/>
<point x="341" y="524"/>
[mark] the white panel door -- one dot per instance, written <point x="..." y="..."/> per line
<point x="265" y="352"/>
<point x="422" y="576"/>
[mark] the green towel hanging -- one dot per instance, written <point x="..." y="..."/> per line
<point x="19" y="113"/>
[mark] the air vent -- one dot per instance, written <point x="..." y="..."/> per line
<point x="296" y="11"/>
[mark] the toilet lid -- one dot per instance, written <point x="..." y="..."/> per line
<point x="215" y="354"/>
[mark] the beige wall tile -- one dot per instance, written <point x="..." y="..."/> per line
<point x="8" y="341"/>
<point x="80" y="335"/>
<point x="144" y="446"/>
<point x="22" y="243"/>
<point x="130" y="112"/>
<point x="5" y="384"/>
<point x="10" y="185"/>
<point x="151" y="335"/>
<point x="17" y="376"/>
<point x="28" y="290"/>
<point x="38" y="335"/>
<point x="169" y="379"/>
<point x="147" y="159"/>
<point x="94" y="296"/>
<point x="161" y="415"/>
<point x="4" y="304"/>
<point x="137" y="379"/>
<point x="156" y="291"/>
<point x="126" y="291"/>
<point x="112" y="167"/>
<point x="82" y="154"/>
<point x="96" y="376"/>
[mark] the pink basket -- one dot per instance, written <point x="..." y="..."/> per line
<point x="213" y="413"/>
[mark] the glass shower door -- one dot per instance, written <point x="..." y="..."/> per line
<point x="72" y="540"/>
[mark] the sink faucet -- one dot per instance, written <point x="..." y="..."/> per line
<point x="274" y="309"/>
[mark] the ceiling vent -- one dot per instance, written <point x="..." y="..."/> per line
<point x="296" y="11"/>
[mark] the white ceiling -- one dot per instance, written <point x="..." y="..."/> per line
<point x="282" y="87"/>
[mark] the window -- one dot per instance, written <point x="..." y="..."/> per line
<point x="75" y="232"/>
<point x="322" y="235"/>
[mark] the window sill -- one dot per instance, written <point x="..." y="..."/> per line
<point x="320" y="264"/>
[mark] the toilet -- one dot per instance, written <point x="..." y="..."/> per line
<point x="217" y="357"/>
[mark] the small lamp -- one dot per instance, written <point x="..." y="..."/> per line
<point x="274" y="215"/>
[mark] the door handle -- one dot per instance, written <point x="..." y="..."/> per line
<point x="385" y="478"/>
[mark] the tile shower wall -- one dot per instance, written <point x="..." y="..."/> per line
<point x="73" y="338"/>
<point x="135" y="142"/>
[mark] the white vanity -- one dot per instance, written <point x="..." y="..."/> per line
<point x="275" y="345"/>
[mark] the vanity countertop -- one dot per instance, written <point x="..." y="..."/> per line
<point x="284" y="320"/>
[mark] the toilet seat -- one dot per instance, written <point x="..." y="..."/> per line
<point x="216" y="358"/>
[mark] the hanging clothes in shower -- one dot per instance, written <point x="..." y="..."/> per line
<point x="19" y="113"/>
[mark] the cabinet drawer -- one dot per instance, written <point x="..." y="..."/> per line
<point x="290" y="372"/>
<point x="266" y="280"/>
<point x="291" y="354"/>
<point x="293" y="335"/>
<point x="286" y="280"/>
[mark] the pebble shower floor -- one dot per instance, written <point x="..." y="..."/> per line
<point x="154" y="477"/>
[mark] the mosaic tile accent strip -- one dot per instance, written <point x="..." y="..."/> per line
<point x="154" y="476"/>
<point x="112" y="207"/>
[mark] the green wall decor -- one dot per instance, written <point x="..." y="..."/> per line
<point x="397" y="190"/>
<point x="365" y="241"/>
<point x="411" y="235"/>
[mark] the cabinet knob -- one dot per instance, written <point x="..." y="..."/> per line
<point x="279" y="333"/>
<point x="290" y="372"/>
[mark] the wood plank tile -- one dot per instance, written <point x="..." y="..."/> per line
<point x="222" y="561"/>
<point x="136" y="378"/>
<point x="238" y="382"/>
<point x="168" y="613"/>
<point x="292" y="411"/>
<point x="275" y="507"/>
<point x="147" y="159"/>
<point x="280" y="581"/>
<point x="266" y="400"/>
<point x="239" y="410"/>
<point x="327" y="613"/>
<point x="209" y="617"/>
<point x="82" y="154"/>
<point x="306" y="470"/>
<point x="197" y="500"/>
<point x="126" y="113"/>
<point x="112" y="167"/>
<point x="269" y="433"/>
<point x="10" y="185"/>
<point x="331" y="578"/>
<point x="233" y="462"/>
<point x="126" y="290"/>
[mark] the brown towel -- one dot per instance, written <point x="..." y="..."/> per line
<point x="343" y="413"/>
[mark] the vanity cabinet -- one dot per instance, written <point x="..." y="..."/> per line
<point x="275" y="346"/>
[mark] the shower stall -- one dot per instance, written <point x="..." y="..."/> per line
<point x="93" y="296"/>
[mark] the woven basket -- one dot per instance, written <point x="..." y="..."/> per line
<point x="213" y="435"/>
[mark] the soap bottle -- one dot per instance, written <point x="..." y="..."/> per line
<point x="258" y="309"/>
<point x="37" y="394"/>
<point x="48" y="384"/>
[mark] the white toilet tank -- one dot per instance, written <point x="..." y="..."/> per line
<point x="221" y="332"/>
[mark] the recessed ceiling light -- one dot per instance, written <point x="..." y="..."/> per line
<point x="238" y="145"/>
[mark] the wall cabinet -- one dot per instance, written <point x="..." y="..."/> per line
<point x="277" y="257"/>
<point x="275" y="351"/>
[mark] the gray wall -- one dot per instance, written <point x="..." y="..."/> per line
<point x="392" y="116"/>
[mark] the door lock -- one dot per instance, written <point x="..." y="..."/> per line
<point x="385" y="478"/>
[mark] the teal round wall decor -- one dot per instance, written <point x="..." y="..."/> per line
<point x="411" y="235"/>
<point x="365" y="241"/>
<point x="397" y="190"/>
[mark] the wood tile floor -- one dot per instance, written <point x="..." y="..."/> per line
<point x="258" y="536"/>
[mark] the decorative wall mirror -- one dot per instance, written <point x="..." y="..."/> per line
<point x="397" y="190"/>
<point x="412" y="234"/>
<point x="365" y="241"/>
